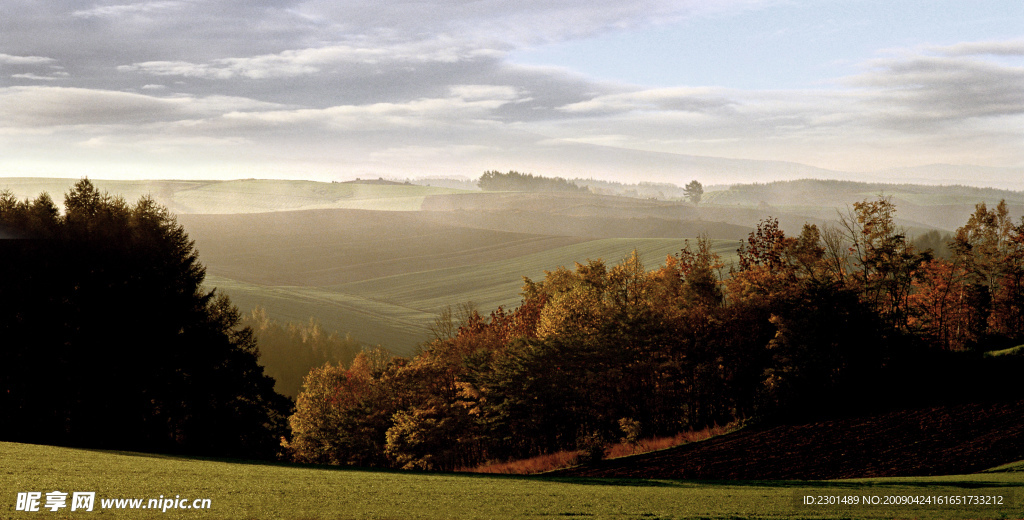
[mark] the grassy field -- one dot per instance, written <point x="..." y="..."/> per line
<point x="254" y="196"/>
<point x="394" y="311"/>
<point x="330" y="247"/>
<point x="244" y="490"/>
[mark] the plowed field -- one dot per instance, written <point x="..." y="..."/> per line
<point x="947" y="440"/>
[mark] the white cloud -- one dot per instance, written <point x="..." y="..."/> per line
<point x="177" y="68"/>
<point x="683" y="99"/>
<point x="346" y="80"/>
<point x="160" y="143"/>
<point x="524" y="22"/>
<point x="912" y="107"/>
<point x="919" y="92"/>
<point x="478" y="92"/>
<point x="466" y="106"/>
<point x="29" y="75"/>
<point x="138" y="8"/>
<point x="8" y="59"/>
<point x="58" y="106"/>
<point x="300" y="62"/>
<point x="995" y="48"/>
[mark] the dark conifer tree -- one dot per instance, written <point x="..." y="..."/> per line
<point x="110" y="339"/>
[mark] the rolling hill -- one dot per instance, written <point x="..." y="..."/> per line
<point x="395" y="311"/>
<point x="379" y="259"/>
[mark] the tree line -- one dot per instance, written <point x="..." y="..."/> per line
<point x="494" y="180"/>
<point x="847" y="318"/>
<point x="108" y="338"/>
<point x="289" y="351"/>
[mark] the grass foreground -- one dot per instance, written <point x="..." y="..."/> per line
<point x="243" y="489"/>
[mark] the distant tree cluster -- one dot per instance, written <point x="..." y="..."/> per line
<point x="290" y="350"/>
<point x="843" y="318"/>
<point x="109" y="339"/>
<point x="515" y="181"/>
<point x="938" y="243"/>
<point x="640" y="190"/>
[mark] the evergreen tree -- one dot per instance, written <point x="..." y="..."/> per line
<point x="110" y="339"/>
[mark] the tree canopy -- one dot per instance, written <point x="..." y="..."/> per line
<point x="515" y="181"/>
<point x="110" y="340"/>
<point x="693" y="192"/>
<point x="836" y="320"/>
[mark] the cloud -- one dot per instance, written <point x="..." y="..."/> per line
<point x="161" y="143"/>
<point x="116" y="11"/>
<point x="7" y="59"/>
<point x="915" y="106"/>
<point x="525" y="22"/>
<point x="466" y="105"/>
<point x="483" y="92"/>
<point x="680" y="99"/>
<point x="349" y="82"/>
<point x="995" y="48"/>
<point x="55" y="76"/>
<point x="300" y="62"/>
<point x="35" y="107"/>
<point x="918" y="93"/>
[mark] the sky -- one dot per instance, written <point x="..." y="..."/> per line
<point x="649" y="90"/>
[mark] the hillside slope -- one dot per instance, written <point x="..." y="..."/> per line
<point x="962" y="438"/>
<point x="395" y="311"/>
<point x="335" y="246"/>
<point x="379" y="259"/>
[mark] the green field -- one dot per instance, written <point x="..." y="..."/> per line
<point x="242" y="489"/>
<point x="396" y="310"/>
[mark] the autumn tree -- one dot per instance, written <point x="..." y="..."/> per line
<point x="431" y="438"/>
<point x="342" y="415"/>
<point x="947" y="310"/>
<point x="831" y="315"/>
<point x="772" y="265"/>
<point x="884" y="260"/>
<point x="991" y="249"/>
<point x="319" y="430"/>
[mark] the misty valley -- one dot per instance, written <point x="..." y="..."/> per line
<point x="520" y="325"/>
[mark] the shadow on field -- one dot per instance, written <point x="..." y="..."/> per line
<point x="956" y="482"/>
<point x="784" y="484"/>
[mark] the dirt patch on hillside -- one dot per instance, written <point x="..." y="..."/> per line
<point x="945" y="440"/>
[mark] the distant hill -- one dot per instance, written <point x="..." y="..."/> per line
<point x="245" y="195"/>
<point x="381" y="258"/>
<point x="918" y="206"/>
<point x="378" y="182"/>
<point x="587" y="160"/>
<point x="953" y="174"/>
